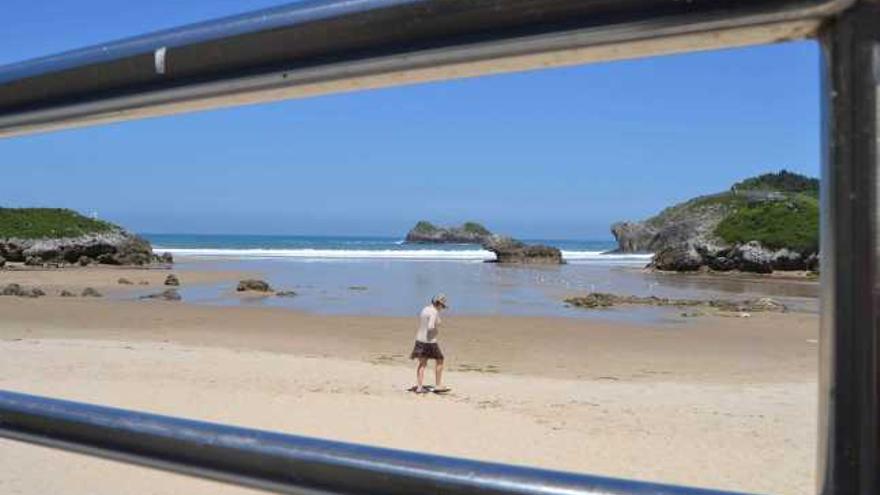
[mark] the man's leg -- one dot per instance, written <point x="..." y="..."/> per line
<point x="438" y="373"/>
<point x="420" y="372"/>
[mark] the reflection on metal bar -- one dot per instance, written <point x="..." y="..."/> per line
<point x="849" y="436"/>
<point x="326" y="46"/>
<point x="283" y="463"/>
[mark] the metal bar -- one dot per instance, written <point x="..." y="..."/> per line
<point x="849" y="443"/>
<point x="324" y="46"/>
<point x="282" y="463"/>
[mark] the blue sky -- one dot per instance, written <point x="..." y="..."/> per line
<point x="555" y="154"/>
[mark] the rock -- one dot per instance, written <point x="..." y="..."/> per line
<point x="165" y="295"/>
<point x="512" y="251"/>
<point x="786" y="259"/>
<point x="286" y="293"/>
<point x="124" y="281"/>
<point x="599" y="300"/>
<point x="752" y="257"/>
<point x="84" y="261"/>
<point x="13" y="290"/>
<point x="172" y="280"/>
<point x="689" y="223"/>
<point x="812" y="262"/>
<point x="678" y="258"/>
<point x="33" y="261"/>
<point x="253" y="285"/>
<point x="66" y="293"/>
<point x="358" y="287"/>
<point x="37" y="292"/>
<point x="107" y="259"/>
<point x="764" y="304"/>
<point x="2" y="261"/>
<point x="90" y="292"/>
<point x="133" y="250"/>
<point x="594" y="300"/>
<point x="143" y="282"/>
<point x="468" y="233"/>
<point x="167" y="257"/>
<point x="634" y="237"/>
<point x="721" y="263"/>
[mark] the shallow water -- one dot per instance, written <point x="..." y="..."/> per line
<point x="401" y="287"/>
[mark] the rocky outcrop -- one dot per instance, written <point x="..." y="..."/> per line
<point x="116" y="247"/>
<point x="693" y="222"/>
<point x="509" y="250"/>
<point x="469" y="233"/>
<point x="749" y="257"/>
<point x="760" y="225"/>
<point x="601" y="300"/>
<point x="172" y="280"/>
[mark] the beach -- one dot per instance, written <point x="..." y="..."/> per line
<point x="708" y="401"/>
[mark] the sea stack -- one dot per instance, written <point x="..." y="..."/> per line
<point x="467" y="233"/>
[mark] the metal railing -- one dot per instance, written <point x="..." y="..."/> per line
<point x="283" y="463"/>
<point x="326" y="46"/>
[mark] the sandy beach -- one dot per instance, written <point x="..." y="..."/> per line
<point x="711" y="402"/>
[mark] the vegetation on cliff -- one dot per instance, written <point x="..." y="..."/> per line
<point x="782" y="181"/>
<point x="790" y="223"/>
<point x="46" y="223"/>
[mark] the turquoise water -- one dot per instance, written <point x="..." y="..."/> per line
<point x="384" y="276"/>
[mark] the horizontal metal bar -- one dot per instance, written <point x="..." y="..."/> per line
<point x="324" y="46"/>
<point x="279" y="462"/>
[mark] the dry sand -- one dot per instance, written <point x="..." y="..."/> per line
<point x="720" y="402"/>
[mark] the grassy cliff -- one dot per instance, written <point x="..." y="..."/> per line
<point x="47" y="223"/>
<point x="792" y="222"/>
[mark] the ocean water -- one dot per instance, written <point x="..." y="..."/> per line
<point x="386" y="276"/>
<point x="364" y="248"/>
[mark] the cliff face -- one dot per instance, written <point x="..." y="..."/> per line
<point x="762" y="224"/>
<point x="469" y="233"/>
<point x="37" y="236"/>
<point x="694" y="221"/>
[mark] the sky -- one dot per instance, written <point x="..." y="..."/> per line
<point x="554" y="154"/>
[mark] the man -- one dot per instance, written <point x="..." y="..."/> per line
<point x="426" y="346"/>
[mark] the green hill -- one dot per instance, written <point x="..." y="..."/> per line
<point x="47" y="223"/>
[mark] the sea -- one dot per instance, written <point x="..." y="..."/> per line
<point x="387" y="276"/>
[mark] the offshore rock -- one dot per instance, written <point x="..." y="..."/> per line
<point x="511" y="251"/>
<point x="468" y="233"/>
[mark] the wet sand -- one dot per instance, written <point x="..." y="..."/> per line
<point x="710" y="402"/>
